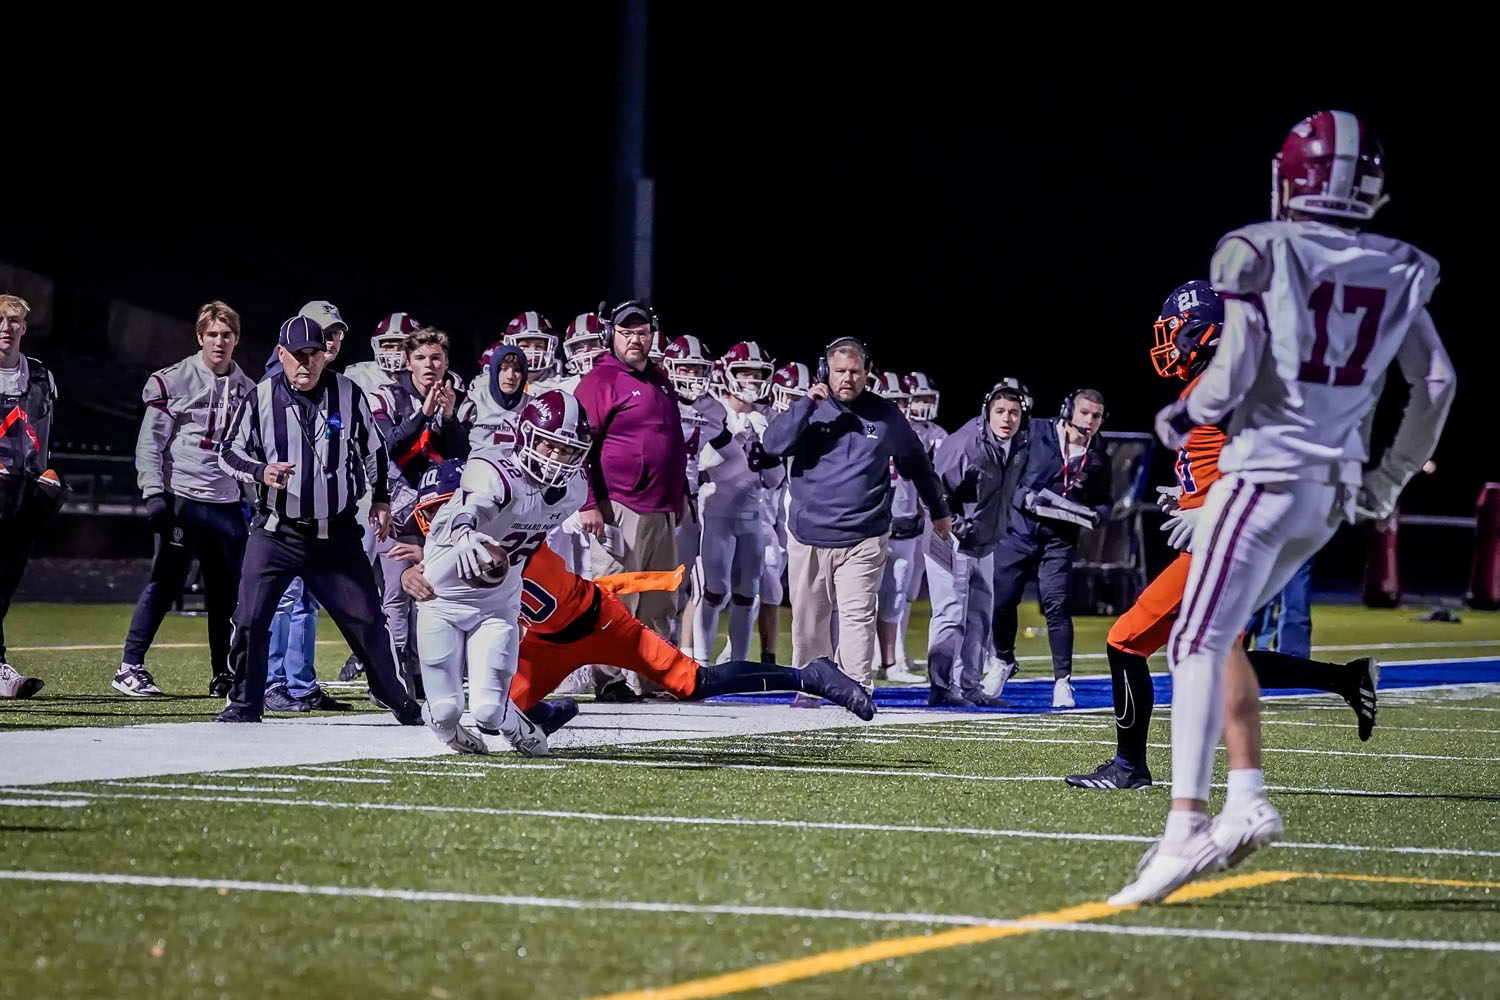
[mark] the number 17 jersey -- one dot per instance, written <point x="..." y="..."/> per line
<point x="1340" y="306"/>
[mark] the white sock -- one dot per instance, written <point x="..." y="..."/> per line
<point x="1197" y="723"/>
<point x="1181" y="824"/>
<point x="1246" y="783"/>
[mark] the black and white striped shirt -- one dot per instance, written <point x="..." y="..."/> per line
<point x="334" y="446"/>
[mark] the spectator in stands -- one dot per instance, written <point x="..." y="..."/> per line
<point x="842" y="441"/>
<point x="425" y="419"/>
<point x="1066" y="457"/>
<point x="30" y="492"/>
<point x="291" y="664"/>
<point x="194" y="508"/>
<point x="637" y="472"/>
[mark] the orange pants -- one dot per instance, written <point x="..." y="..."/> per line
<point x="617" y="640"/>
<point x="1147" y="626"/>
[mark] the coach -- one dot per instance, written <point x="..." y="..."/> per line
<point x="192" y="505"/>
<point x="307" y="439"/>
<point x="842" y="441"/>
<point x="637" y="471"/>
<point x="1066" y="457"/>
<point x="979" y="465"/>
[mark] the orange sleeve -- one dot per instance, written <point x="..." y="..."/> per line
<point x="1197" y="464"/>
<point x="636" y="583"/>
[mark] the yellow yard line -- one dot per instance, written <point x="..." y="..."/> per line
<point x="1405" y="880"/>
<point x="760" y="977"/>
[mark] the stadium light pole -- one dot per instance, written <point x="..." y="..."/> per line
<point x="635" y="195"/>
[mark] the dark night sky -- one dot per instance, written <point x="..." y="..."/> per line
<point x="973" y="205"/>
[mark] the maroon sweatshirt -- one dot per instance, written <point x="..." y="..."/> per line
<point x="639" y="457"/>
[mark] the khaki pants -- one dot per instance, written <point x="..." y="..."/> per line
<point x="650" y="544"/>
<point x="847" y="579"/>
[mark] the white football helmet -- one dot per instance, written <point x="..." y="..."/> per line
<point x="689" y="367"/>
<point x="583" y="342"/>
<point x="747" y="371"/>
<point x="531" y="332"/>
<point x="389" y="342"/>
<point x="924" y="396"/>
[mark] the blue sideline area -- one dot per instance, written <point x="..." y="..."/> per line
<point x="1033" y="696"/>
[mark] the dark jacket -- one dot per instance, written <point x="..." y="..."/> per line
<point x="1087" y="481"/>
<point x="979" y="481"/>
<point x="841" y="467"/>
<point x="416" y="441"/>
<point x="639" y="458"/>
<point x="25" y="435"/>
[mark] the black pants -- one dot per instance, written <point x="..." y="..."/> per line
<point x="214" y="533"/>
<point x="19" y="532"/>
<point x="1049" y="558"/>
<point x="334" y="570"/>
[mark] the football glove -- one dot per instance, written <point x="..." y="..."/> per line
<point x="1168" y="498"/>
<point x="159" y="514"/>
<point x="759" y="459"/>
<point x="1179" y="527"/>
<point x="1377" y="496"/>
<point x="476" y="564"/>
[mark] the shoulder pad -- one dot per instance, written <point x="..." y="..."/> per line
<point x="1241" y="262"/>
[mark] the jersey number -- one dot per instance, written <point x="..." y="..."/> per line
<point x="521" y="544"/>
<point x="536" y="604"/>
<point x="1356" y="297"/>
<point x="1185" y="473"/>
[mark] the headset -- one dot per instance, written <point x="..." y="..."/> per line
<point x="1015" y="387"/>
<point x="843" y="343"/>
<point x="607" y="316"/>
<point x="1067" y="408"/>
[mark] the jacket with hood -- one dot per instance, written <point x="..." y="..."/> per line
<point x="495" y="412"/>
<point x="639" y="457"/>
<point x="979" y="479"/>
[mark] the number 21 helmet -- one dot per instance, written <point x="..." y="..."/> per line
<point x="557" y="418"/>
<point x="1188" y="331"/>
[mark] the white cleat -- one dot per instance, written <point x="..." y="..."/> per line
<point x="1062" y="694"/>
<point x="996" y="673"/>
<point x="522" y="734"/>
<point x="1168" y="866"/>
<point x="1242" y="829"/>
<point x="901" y="674"/>
<point x="461" y="740"/>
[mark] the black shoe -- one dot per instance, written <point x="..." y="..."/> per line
<point x="823" y="678"/>
<point x="1365" y="700"/>
<point x="1111" y="774"/>
<point x="236" y="714"/>
<point x="322" y="701"/>
<point x="985" y="701"/>
<point x="351" y="669"/>
<point x="220" y="685"/>
<point x="278" y="700"/>
<point x="942" y="698"/>
<point x="413" y="683"/>
<point x="768" y="657"/>
<point x="552" y="715"/>
<point x="409" y="714"/>
<point x="618" y="692"/>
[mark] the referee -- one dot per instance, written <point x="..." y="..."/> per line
<point x="306" y="437"/>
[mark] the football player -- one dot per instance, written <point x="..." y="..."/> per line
<point x="477" y="546"/>
<point x="735" y="471"/>
<point x="531" y="332"/>
<point x="389" y="345"/>
<point x="1187" y="335"/>
<point x="790" y="381"/>
<point x="498" y="396"/>
<point x="570" y="622"/>
<point x="689" y="365"/>
<point x="1315" y="311"/>
<point x="583" y="343"/>
<point x="903" y="556"/>
<point x="921" y="410"/>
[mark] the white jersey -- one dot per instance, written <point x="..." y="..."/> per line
<point x="370" y="377"/>
<point x="731" y="490"/>
<point x="497" y="499"/>
<point x="494" y="426"/>
<point x="1314" y="315"/>
<point x="703" y="415"/>
<point x="554" y="380"/>
<point x="188" y="409"/>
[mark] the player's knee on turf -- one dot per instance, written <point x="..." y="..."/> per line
<point x="444" y="713"/>
<point x="489" y="716"/>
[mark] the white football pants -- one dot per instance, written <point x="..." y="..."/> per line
<point x="730" y="555"/>
<point x="450" y="633"/>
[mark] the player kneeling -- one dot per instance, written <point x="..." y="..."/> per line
<point x="478" y="544"/>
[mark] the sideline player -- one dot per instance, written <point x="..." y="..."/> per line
<point x="689" y="365"/>
<point x="903" y="555"/>
<point x="1315" y="312"/>
<point x="389" y="345"/>
<point x="1187" y="335"/>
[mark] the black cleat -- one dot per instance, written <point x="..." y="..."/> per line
<point x="941" y="698"/>
<point x="823" y="678"/>
<point x="278" y="700"/>
<point x="236" y="714"/>
<point x="768" y="657"/>
<point x="1111" y="774"/>
<point x="1365" y="701"/>
<point x="351" y="669"/>
<point x="409" y="713"/>
<point x="322" y="701"/>
<point x="551" y="716"/>
<point x="220" y="685"/>
<point x="617" y="691"/>
<point x="985" y="701"/>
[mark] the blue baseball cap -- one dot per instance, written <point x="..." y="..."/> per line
<point x="299" y="333"/>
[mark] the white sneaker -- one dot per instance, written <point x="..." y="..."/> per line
<point x="14" y="684"/>
<point x="902" y="675"/>
<point x="1244" y="827"/>
<point x="522" y="734"/>
<point x="1168" y="865"/>
<point x="1062" y="694"/>
<point x="578" y="682"/>
<point x="136" y="681"/>
<point x="996" y="673"/>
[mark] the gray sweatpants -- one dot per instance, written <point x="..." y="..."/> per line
<point x="962" y="602"/>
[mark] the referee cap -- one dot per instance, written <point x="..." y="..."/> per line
<point x="299" y="333"/>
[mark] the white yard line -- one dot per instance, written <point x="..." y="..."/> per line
<point x="784" y="912"/>
<point x="200" y="788"/>
<point x="44" y="803"/>
<point x="285" y="776"/>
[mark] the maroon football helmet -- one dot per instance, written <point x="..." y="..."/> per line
<point x="790" y="382"/>
<point x="1330" y="165"/>
<point x="747" y="372"/>
<point x="688" y="365"/>
<point x="531" y="332"/>
<point x="583" y="343"/>
<point x="557" y="418"/>
<point x="389" y="342"/>
<point x="924" y="396"/>
<point x="489" y="352"/>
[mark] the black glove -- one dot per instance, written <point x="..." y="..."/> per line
<point x="962" y="528"/>
<point x="760" y="459"/>
<point x="159" y="513"/>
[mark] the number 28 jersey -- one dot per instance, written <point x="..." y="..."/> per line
<point x="1339" y="306"/>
